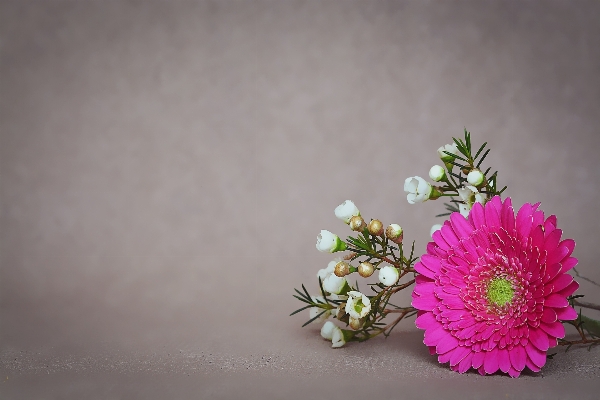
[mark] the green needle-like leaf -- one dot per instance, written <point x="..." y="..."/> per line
<point x="314" y="318"/>
<point x="300" y="309"/>
<point x="482" y="158"/>
<point x="479" y="151"/>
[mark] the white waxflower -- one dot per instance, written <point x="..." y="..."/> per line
<point x="437" y="173"/>
<point x="434" y="228"/>
<point x="418" y="189"/>
<point x="450" y="148"/>
<point x="337" y="338"/>
<point x="346" y="211"/>
<point x="388" y="275"/>
<point x="334" y="284"/>
<point x="470" y="195"/>
<point x="475" y="177"/>
<point x="328" y="242"/>
<point x="358" y="305"/>
<point x="328" y="329"/>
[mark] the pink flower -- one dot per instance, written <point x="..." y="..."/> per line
<point x="492" y="289"/>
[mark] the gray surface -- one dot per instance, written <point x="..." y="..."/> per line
<point x="165" y="168"/>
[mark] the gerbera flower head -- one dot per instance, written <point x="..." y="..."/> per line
<point x="492" y="289"/>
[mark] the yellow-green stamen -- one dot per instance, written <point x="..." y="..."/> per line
<point x="500" y="291"/>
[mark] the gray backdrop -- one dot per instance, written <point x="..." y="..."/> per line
<point x="165" y="168"/>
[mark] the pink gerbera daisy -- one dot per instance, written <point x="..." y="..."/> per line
<point x="492" y="289"/>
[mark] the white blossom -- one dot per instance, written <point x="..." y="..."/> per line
<point x="334" y="284"/>
<point x="346" y="211"/>
<point x="358" y="305"/>
<point x="450" y="148"/>
<point x="328" y="242"/>
<point x="389" y="275"/>
<point x="418" y="189"/>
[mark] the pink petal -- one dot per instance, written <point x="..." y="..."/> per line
<point x="458" y="354"/>
<point x="434" y="335"/>
<point x="503" y="360"/>
<point x="531" y="365"/>
<point x="478" y="359"/>
<point x="448" y="343"/>
<point x="477" y="215"/>
<point x="422" y="269"/>
<point x="425" y="289"/>
<point x="552" y="239"/>
<point x="536" y="356"/>
<point x="549" y="315"/>
<point x="431" y="263"/>
<point x="492" y="219"/>
<point x="425" y="321"/>
<point x="460" y="225"/>
<point x="569" y="244"/>
<point x="508" y="215"/>
<point x="465" y="364"/>
<point x="513" y="373"/>
<point x="539" y="339"/>
<point x="555" y="329"/>
<point x="557" y="255"/>
<point x="490" y="363"/>
<point x="518" y="357"/>
<point x="569" y="290"/>
<point x="449" y="235"/>
<point x="524" y="220"/>
<point x="556" y="300"/>
<point x="561" y="282"/>
<point x="566" y="314"/>
<point x="439" y="240"/>
<point x="568" y="264"/>
<point x="425" y="303"/>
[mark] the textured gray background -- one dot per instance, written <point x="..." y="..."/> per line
<point x="165" y="168"/>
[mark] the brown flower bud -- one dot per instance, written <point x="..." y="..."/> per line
<point x="341" y="269"/>
<point x="357" y="223"/>
<point x="349" y="256"/>
<point x="356" y="323"/>
<point x="394" y="233"/>
<point x="375" y="227"/>
<point x="365" y="269"/>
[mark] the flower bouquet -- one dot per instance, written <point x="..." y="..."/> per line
<point x="492" y="292"/>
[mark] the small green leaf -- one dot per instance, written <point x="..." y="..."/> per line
<point x="482" y="158"/>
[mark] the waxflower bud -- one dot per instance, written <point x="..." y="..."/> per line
<point x="342" y="269"/>
<point x="349" y="256"/>
<point x="328" y="329"/>
<point x="388" y="275"/>
<point x="437" y="173"/>
<point x="394" y="233"/>
<point x="434" y="228"/>
<point x="356" y="323"/>
<point x="365" y="269"/>
<point x="334" y="284"/>
<point x="358" y="305"/>
<point x="375" y="227"/>
<point x="357" y="223"/>
<point x="450" y="148"/>
<point x="339" y="337"/>
<point x="475" y="177"/>
<point x="346" y="211"/>
<point x="329" y="242"/>
<point x="418" y="189"/>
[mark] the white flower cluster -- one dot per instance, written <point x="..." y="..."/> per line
<point x="418" y="190"/>
<point x="354" y="306"/>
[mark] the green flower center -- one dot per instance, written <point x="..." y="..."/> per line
<point x="358" y="306"/>
<point x="500" y="291"/>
